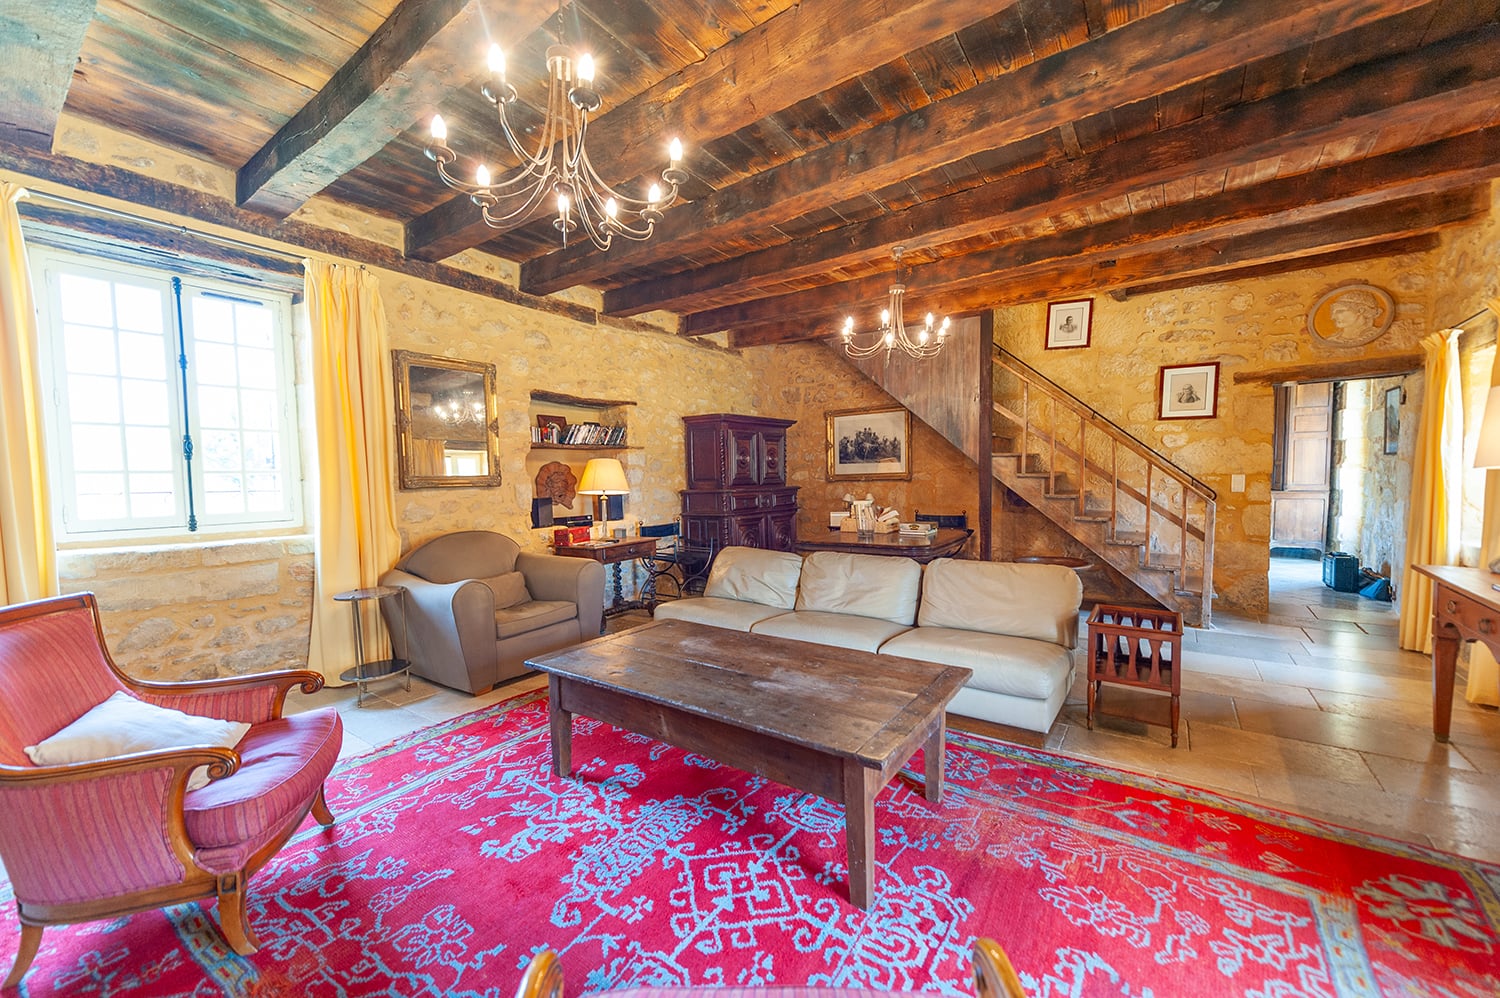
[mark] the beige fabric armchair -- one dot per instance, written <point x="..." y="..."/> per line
<point x="471" y="623"/>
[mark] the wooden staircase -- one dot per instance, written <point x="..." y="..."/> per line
<point x="1149" y="519"/>
<point x="1146" y="517"/>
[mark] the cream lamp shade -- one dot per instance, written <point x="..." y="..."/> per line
<point x="1487" y="453"/>
<point x="603" y="476"/>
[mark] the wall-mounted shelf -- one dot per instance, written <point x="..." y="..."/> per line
<point x="610" y="421"/>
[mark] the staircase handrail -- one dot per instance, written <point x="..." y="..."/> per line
<point x="1067" y="398"/>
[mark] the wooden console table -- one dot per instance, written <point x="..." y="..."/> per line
<point x="1465" y="607"/>
<point x="613" y="553"/>
<point x="948" y="542"/>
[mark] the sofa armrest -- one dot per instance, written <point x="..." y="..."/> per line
<point x="450" y="628"/>
<point x="573" y="580"/>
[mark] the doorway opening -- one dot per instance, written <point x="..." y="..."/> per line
<point x="1340" y="486"/>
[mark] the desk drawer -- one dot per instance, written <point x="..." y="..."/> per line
<point x="1471" y="617"/>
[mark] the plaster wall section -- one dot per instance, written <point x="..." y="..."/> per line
<point x="1250" y="327"/>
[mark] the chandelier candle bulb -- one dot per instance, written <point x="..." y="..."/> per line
<point x="892" y="332"/>
<point x="585" y="68"/>
<point x="439" y="129"/>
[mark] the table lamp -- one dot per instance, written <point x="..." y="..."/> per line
<point x="603" y="476"/>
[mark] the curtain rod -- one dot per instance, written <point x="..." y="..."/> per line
<point x="1477" y="315"/>
<point x="171" y="226"/>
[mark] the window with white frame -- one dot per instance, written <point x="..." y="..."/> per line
<point x="171" y="400"/>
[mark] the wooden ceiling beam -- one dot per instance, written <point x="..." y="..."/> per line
<point x="1437" y="84"/>
<point x="39" y="45"/>
<point x="1099" y="272"/>
<point x="1134" y="62"/>
<point x="405" y="68"/>
<point x="1424" y="243"/>
<point x="808" y="48"/>
<point x="1333" y="197"/>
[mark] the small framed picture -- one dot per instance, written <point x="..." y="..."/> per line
<point x="1190" y="391"/>
<point x="1068" y="323"/>
<point x="1392" y="419"/>
<point x="869" y="443"/>
<point x="554" y="428"/>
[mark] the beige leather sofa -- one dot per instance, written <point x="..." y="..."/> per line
<point x="478" y="607"/>
<point x="1014" y="625"/>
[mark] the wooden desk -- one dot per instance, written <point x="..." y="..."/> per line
<point x="612" y="553"/>
<point x="770" y="706"/>
<point x="948" y="542"/>
<point x="1465" y="607"/>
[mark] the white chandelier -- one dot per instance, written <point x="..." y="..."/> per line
<point x="560" y="166"/>
<point x="892" y="333"/>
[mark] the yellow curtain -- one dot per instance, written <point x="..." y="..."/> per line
<point x="1432" y="519"/>
<point x="1484" y="674"/>
<point x="356" y="528"/>
<point x="26" y="550"/>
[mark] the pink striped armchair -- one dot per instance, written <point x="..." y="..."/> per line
<point x="91" y="840"/>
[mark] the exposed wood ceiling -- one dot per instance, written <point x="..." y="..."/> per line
<point x="1019" y="149"/>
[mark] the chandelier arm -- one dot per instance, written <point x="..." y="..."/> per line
<point x="534" y="198"/>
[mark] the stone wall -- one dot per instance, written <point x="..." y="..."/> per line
<point x="1373" y="488"/>
<point x="1250" y="326"/>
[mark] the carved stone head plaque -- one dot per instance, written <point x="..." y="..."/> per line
<point x="1351" y="315"/>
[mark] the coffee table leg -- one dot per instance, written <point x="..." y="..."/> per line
<point x="932" y="754"/>
<point x="860" y="787"/>
<point x="562" y="729"/>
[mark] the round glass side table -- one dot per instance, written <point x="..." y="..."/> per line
<point x="366" y="672"/>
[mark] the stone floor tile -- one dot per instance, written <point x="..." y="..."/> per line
<point x="1219" y="664"/>
<point x="1318" y="678"/>
<point x="1440" y="784"/>
<point x="1362" y="734"/>
<point x="1469" y="723"/>
<point x="1250" y="645"/>
<point x="1266" y="751"/>
<point x="1295" y="696"/>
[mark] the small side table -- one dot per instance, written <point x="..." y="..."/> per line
<point x="1135" y="646"/>
<point x="365" y="672"/>
<point x="612" y="553"/>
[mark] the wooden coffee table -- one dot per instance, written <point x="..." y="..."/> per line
<point x="829" y="721"/>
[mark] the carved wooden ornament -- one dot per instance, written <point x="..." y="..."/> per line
<point x="556" y="481"/>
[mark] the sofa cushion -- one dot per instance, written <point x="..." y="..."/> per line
<point x="716" y="611"/>
<point x="755" y="575"/>
<point x="530" y="616"/>
<point x="509" y="589"/>
<point x="1022" y="600"/>
<point x="867" y="585"/>
<point x="1019" y="667"/>
<point x="840" y="630"/>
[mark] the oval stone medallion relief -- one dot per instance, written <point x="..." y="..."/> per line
<point x="1351" y="315"/>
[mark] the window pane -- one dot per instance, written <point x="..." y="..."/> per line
<point x="257" y="368"/>
<point x="93" y="400"/>
<point x="101" y="497"/>
<point x="86" y="300"/>
<point x="152" y="496"/>
<point x="254" y="325"/>
<point x="223" y="494"/>
<point x="140" y="308"/>
<point x="146" y="403"/>
<point x="143" y="356"/>
<point x="213" y="364"/>
<point x="258" y="410"/>
<point x="260" y="451"/>
<point x="213" y="319"/>
<point x="218" y="408"/>
<point x="220" y="450"/>
<point x="98" y="448"/>
<point x="88" y="350"/>
<point x="150" y="448"/>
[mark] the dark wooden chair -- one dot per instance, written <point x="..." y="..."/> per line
<point x="678" y="564"/>
<point x="943" y="520"/>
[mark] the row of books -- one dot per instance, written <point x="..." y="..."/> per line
<point x="580" y="435"/>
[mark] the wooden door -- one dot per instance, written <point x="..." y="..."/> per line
<point x="1299" y="507"/>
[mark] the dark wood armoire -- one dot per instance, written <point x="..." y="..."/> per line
<point x="736" y="482"/>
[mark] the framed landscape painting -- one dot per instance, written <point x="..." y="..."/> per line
<point x="1189" y="391"/>
<point x="869" y="443"/>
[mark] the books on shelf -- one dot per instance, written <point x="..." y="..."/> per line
<point x="580" y="435"/>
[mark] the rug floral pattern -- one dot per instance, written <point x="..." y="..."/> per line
<point x="457" y="855"/>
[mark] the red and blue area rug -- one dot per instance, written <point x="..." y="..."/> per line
<point x="457" y="855"/>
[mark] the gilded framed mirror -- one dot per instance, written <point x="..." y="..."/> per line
<point x="447" y="422"/>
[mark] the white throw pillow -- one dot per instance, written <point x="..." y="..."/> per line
<point x="122" y="724"/>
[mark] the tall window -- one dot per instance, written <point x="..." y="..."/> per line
<point x="172" y="401"/>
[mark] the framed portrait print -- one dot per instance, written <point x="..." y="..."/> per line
<point x="869" y="443"/>
<point x="1392" y="419"/>
<point x="1068" y="323"/>
<point x="1189" y="391"/>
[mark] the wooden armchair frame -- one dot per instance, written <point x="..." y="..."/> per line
<point x="158" y="777"/>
